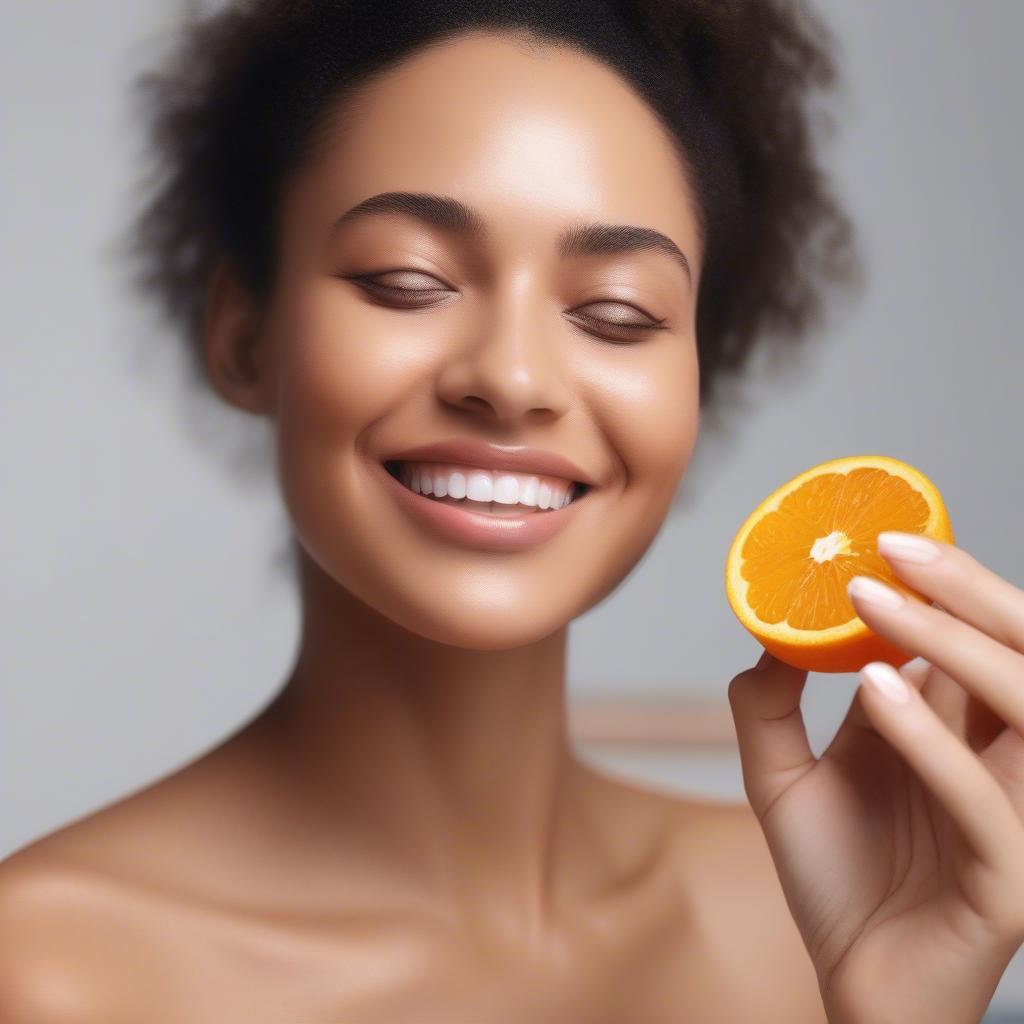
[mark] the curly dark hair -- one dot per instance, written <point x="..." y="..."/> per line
<point x="238" y="102"/>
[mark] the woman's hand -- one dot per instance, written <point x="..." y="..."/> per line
<point x="901" y="849"/>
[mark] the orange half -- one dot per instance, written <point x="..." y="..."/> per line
<point x="790" y="561"/>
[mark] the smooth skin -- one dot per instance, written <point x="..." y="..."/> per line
<point x="405" y="833"/>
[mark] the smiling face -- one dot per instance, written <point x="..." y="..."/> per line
<point x="514" y="332"/>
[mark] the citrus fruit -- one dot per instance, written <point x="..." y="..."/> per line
<point x="790" y="561"/>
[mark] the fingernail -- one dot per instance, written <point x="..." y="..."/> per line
<point x="908" y="546"/>
<point x="887" y="681"/>
<point x="867" y="588"/>
<point x="764" y="660"/>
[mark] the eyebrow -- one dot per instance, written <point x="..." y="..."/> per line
<point x="450" y="214"/>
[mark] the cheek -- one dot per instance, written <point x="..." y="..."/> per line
<point x="650" y="410"/>
<point x="339" y="370"/>
<point x="646" y="407"/>
<point x="336" y="372"/>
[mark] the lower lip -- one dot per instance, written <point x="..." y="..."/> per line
<point x="477" y="529"/>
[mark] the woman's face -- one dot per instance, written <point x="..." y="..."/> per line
<point x="506" y="338"/>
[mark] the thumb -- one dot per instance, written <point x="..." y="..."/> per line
<point x="770" y="732"/>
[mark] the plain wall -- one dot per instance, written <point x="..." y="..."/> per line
<point x="141" y="617"/>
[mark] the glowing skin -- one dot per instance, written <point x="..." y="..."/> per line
<point x="405" y="833"/>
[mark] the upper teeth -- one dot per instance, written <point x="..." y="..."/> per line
<point x="485" y="485"/>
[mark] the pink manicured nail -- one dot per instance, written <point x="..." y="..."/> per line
<point x="867" y="588"/>
<point x="887" y="681"/>
<point x="908" y="546"/>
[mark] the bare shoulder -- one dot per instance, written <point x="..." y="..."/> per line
<point x="70" y="945"/>
<point x="730" y="866"/>
<point x="85" y="911"/>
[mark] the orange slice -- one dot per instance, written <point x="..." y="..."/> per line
<point x="790" y="561"/>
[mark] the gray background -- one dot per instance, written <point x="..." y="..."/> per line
<point x="141" y="616"/>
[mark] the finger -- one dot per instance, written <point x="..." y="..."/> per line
<point x="960" y="583"/>
<point x="946" y="697"/>
<point x="856" y="718"/>
<point x="964" y="715"/>
<point x="770" y="732"/>
<point x="952" y="772"/>
<point x="988" y="669"/>
<point x="1004" y="758"/>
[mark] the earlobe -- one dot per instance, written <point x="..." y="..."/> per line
<point x="232" y="343"/>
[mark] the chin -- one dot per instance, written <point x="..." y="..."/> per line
<point x="489" y="612"/>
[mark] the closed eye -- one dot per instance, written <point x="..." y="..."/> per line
<point x="377" y="287"/>
<point x="411" y="298"/>
<point x="629" y="324"/>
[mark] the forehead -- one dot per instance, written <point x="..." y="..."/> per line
<point x="531" y="136"/>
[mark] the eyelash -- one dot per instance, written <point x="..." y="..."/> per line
<point x="367" y="280"/>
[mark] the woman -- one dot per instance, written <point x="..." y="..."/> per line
<point x="495" y="254"/>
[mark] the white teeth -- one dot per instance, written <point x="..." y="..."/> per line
<point x="505" y="488"/>
<point x="528" y="493"/>
<point x="480" y="487"/>
<point x="457" y="485"/>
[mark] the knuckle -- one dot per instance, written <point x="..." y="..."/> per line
<point x="733" y="686"/>
<point x="738" y="684"/>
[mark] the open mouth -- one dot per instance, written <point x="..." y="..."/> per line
<point x="497" y="508"/>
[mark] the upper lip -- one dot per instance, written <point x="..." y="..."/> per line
<point x="469" y="451"/>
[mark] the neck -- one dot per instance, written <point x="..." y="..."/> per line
<point x="447" y="768"/>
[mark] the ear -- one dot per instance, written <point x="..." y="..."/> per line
<point x="233" y="344"/>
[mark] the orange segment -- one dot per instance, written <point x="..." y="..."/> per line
<point x="790" y="561"/>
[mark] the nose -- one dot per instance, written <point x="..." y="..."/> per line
<point x="511" y="366"/>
